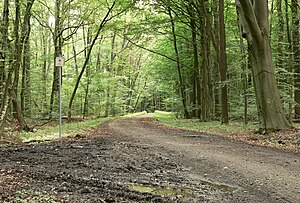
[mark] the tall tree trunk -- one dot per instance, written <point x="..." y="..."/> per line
<point x="3" y="50"/>
<point x="280" y="61"/>
<point x="25" y="48"/>
<point x="181" y="80"/>
<point x="44" y="41"/>
<point x="254" y="17"/>
<point x="102" y="24"/>
<point x="214" y="32"/>
<point x="244" y="71"/>
<point x="75" y="56"/>
<point x="195" y="73"/>
<point x="58" y="43"/>
<point x="223" y="63"/>
<point x="290" y="58"/>
<point x="296" y="53"/>
<point x="5" y="97"/>
<point x="109" y="69"/>
<point x="25" y="91"/>
<point x="88" y="79"/>
<point x="206" y="96"/>
<point x="17" y="54"/>
<point x="19" y="43"/>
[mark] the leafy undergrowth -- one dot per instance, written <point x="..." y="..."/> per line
<point x="50" y="131"/>
<point x="288" y="140"/>
<point x="134" y="114"/>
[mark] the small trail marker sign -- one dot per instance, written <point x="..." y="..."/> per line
<point x="59" y="61"/>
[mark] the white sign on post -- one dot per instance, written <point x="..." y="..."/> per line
<point x="59" y="61"/>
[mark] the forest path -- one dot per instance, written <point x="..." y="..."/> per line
<point x="138" y="160"/>
<point x="260" y="174"/>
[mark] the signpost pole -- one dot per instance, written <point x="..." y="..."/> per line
<point x="59" y="62"/>
<point x="60" y="103"/>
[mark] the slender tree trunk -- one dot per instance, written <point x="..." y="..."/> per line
<point x="290" y="58"/>
<point x="256" y="27"/>
<point x="111" y="88"/>
<point x="25" y="91"/>
<point x="5" y="97"/>
<point x="102" y="24"/>
<point x="88" y="79"/>
<point x="223" y="63"/>
<point x="296" y="53"/>
<point x="181" y="80"/>
<point x="3" y="51"/>
<point x="25" y="48"/>
<point x="75" y="56"/>
<point x="45" y="73"/>
<point x="19" y="43"/>
<point x="58" y="43"/>
<point x="108" y="103"/>
<point x="280" y="61"/>
<point x="206" y="93"/>
<point x="195" y="73"/>
<point x="17" y="56"/>
<point x="244" y="73"/>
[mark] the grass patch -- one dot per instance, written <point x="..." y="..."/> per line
<point x="164" y="115"/>
<point x="68" y="129"/>
<point x="213" y="127"/>
<point x="284" y="139"/>
<point x="135" y="114"/>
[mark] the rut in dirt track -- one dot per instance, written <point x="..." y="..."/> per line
<point x="136" y="160"/>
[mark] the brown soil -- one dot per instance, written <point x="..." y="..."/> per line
<point x="135" y="160"/>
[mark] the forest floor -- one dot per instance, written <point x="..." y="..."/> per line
<point x="138" y="160"/>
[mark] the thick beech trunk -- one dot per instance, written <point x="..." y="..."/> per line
<point x="254" y="17"/>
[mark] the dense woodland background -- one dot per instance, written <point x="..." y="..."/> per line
<point x="125" y="56"/>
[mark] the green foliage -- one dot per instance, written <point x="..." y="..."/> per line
<point x="69" y="129"/>
<point x="208" y="127"/>
<point x="164" y="115"/>
<point x="139" y="72"/>
<point x="134" y="114"/>
<point x="171" y="119"/>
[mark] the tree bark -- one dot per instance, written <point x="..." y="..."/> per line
<point x="181" y="81"/>
<point x="296" y="54"/>
<point x="223" y="63"/>
<point x="206" y="93"/>
<point x="290" y="59"/>
<point x="88" y="79"/>
<point x="3" y="50"/>
<point x="195" y="73"/>
<point x="254" y="17"/>
<point x="25" y="48"/>
<point x="102" y="24"/>
<point x="58" y="43"/>
<point x="19" y="43"/>
<point x="244" y="73"/>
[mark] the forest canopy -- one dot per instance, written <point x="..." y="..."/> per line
<point x="205" y="59"/>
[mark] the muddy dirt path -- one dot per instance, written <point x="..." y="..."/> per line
<point x="136" y="160"/>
